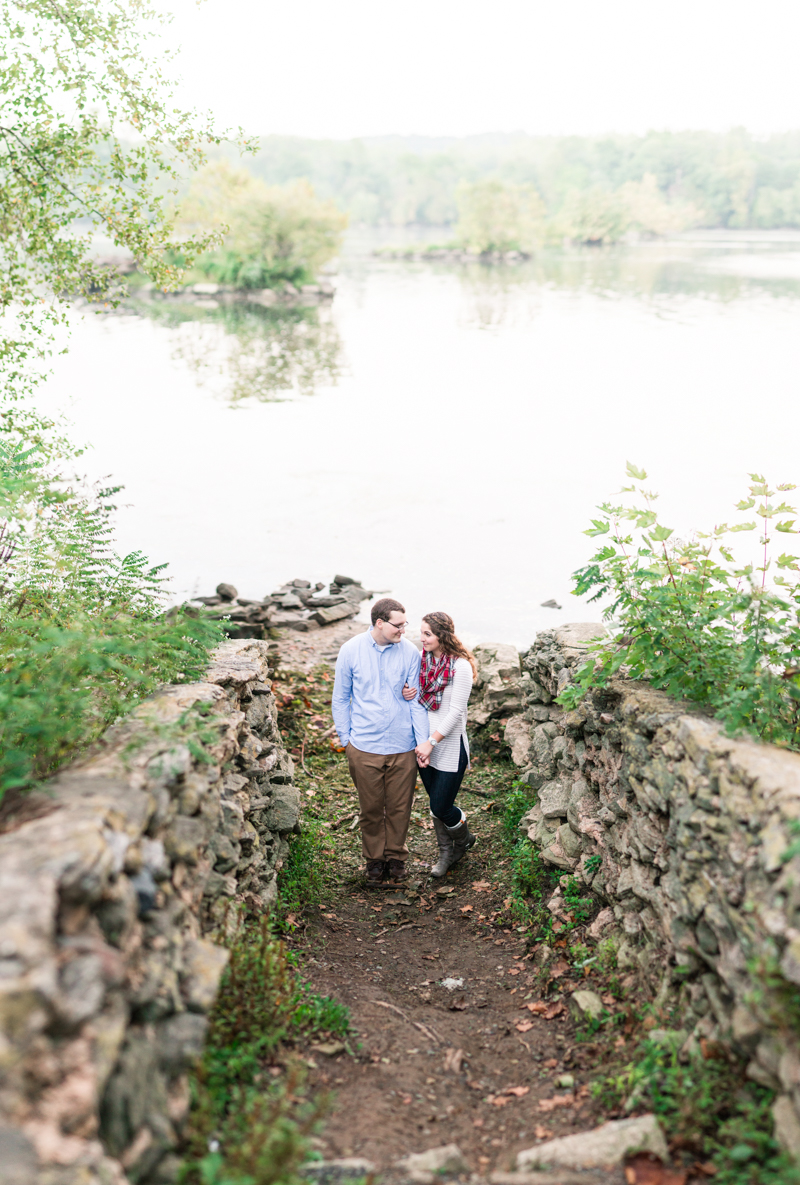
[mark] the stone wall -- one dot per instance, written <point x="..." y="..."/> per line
<point x="116" y="885"/>
<point x="689" y="838"/>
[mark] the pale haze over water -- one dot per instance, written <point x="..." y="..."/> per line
<point x="480" y="415"/>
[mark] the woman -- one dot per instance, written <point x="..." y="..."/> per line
<point x="445" y="681"/>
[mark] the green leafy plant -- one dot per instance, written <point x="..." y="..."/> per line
<point x="249" y="1123"/>
<point x="691" y="619"/>
<point x="708" y="1108"/>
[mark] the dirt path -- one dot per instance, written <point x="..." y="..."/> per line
<point x="448" y="1047"/>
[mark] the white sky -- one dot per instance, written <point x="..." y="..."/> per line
<point x="458" y="67"/>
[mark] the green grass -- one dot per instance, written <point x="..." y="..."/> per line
<point x="709" y="1110"/>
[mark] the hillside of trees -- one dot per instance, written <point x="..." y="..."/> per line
<point x="731" y="180"/>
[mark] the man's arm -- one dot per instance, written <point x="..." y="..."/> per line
<point x="342" y="692"/>
<point x="419" y="716"/>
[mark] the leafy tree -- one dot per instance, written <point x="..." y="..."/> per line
<point x="494" y="216"/>
<point x="692" y="619"/>
<point x="275" y="233"/>
<point x="90" y="141"/>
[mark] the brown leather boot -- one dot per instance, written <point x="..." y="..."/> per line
<point x="397" y="872"/>
<point x="376" y="871"/>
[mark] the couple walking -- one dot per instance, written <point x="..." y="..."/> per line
<point x="396" y="712"/>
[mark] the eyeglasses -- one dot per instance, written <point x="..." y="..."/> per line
<point x="395" y="626"/>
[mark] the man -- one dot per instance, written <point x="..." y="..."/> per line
<point x="379" y="731"/>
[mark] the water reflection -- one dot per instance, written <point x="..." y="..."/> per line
<point x="248" y="352"/>
<point x="659" y="274"/>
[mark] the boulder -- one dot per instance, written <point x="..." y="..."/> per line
<point x="518" y="738"/>
<point x="283" y="810"/>
<point x="203" y="964"/>
<point x="335" y="613"/>
<point x="583" y="1004"/>
<point x="554" y="799"/>
<point x="445" y="1160"/>
<point x="226" y="592"/>
<point x="605" y="1146"/>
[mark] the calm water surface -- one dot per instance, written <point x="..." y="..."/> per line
<point x="444" y="430"/>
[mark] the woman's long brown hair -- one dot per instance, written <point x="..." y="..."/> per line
<point x="443" y="626"/>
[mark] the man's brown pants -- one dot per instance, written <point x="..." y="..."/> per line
<point x="385" y="785"/>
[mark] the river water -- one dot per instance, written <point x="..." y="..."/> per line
<point x="447" y="429"/>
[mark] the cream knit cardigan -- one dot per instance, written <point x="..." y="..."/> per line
<point x="451" y="719"/>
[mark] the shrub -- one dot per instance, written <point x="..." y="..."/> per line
<point x="692" y="620"/>
<point x="83" y="634"/>
<point x="276" y="234"/>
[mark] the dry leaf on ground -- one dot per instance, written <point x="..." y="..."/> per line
<point x="524" y="1026"/>
<point x="542" y="1133"/>
<point x="459" y="1005"/>
<point x="513" y="971"/>
<point x="481" y="886"/>
<point x="453" y="1059"/>
<point x="518" y="1091"/>
<point x="466" y="908"/>
<point x="551" y="1063"/>
<point x="497" y="1100"/>
<point x="559" y="1100"/>
<point x="559" y="968"/>
<point x="646" y="1169"/>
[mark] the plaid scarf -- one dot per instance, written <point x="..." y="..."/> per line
<point x="433" y="678"/>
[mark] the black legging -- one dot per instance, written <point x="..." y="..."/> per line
<point x="443" y="785"/>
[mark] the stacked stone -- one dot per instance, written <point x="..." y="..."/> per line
<point x="689" y="839"/>
<point x="114" y="897"/>
<point x="296" y="606"/>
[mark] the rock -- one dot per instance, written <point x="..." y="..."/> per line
<point x="570" y="842"/>
<point x="227" y="592"/>
<point x="18" y="1158"/>
<point x="604" y="919"/>
<point x="303" y="625"/>
<point x="330" y="1048"/>
<point x="551" y="604"/>
<point x="179" y="1042"/>
<point x="606" y="1145"/>
<point x="203" y="964"/>
<point x="584" y="1003"/>
<point x="335" y="613"/>
<point x="300" y="583"/>
<point x="445" y="1160"/>
<point x="517" y="736"/>
<point x="283" y="810"/>
<point x="205" y="289"/>
<point x="146" y="891"/>
<point x="787" y="1125"/>
<point x="185" y="838"/>
<point x="351" y="1168"/>
<point x="574" y="639"/>
<point x="343" y="580"/>
<point x="554" y="799"/>
<point x="566" y="1081"/>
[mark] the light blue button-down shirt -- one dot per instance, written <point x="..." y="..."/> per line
<point x="368" y="705"/>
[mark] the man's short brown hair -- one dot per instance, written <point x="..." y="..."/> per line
<point x="384" y="608"/>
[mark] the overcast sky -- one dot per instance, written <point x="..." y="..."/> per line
<point x="457" y="67"/>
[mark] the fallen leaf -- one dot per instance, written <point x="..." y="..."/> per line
<point x="498" y="1100"/>
<point x="551" y="1063"/>
<point x="466" y="908"/>
<point x="481" y="886"/>
<point x="559" y="1100"/>
<point x="538" y="1006"/>
<point x="513" y="971"/>
<point x="559" y="968"/>
<point x="646" y="1169"/>
<point x="477" y="1122"/>
<point x="459" y="1005"/>
<point x="608" y="999"/>
<point x="518" y="1091"/>
<point x="542" y="1133"/>
<point x="453" y="1059"/>
<point x="554" y="1010"/>
<point x="406" y="1098"/>
<point x="708" y="1169"/>
<point x="524" y="1026"/>
<point x="473" y="1085"/>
